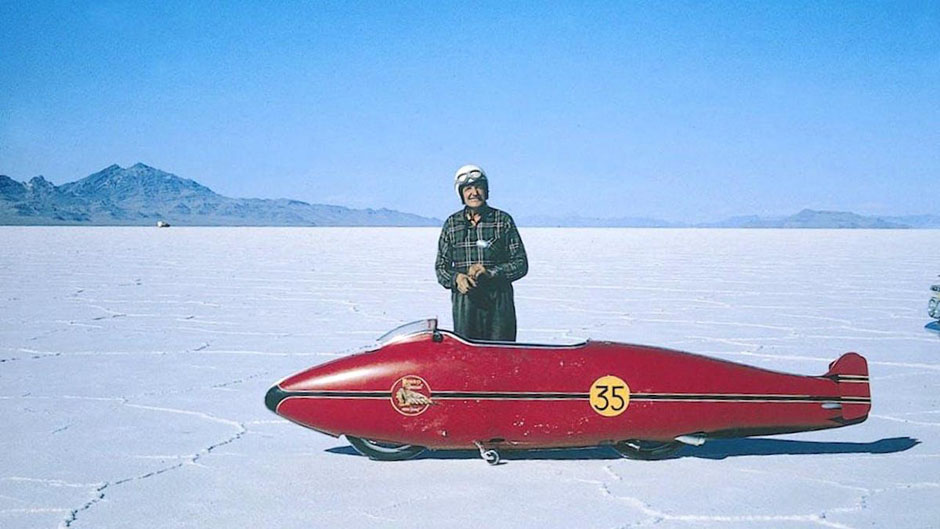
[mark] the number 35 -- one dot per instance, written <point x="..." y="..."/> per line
<point x="609" y="396"/>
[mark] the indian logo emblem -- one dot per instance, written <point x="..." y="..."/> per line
<point x="411" y="395"/>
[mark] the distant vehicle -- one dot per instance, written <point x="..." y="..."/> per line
<point x="933" y="307"/>
<point x="421" y="387"/>
<point x="163" y="224"/>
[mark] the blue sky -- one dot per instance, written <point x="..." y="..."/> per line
<point x="684" y="111"/>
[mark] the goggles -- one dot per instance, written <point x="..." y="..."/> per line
<point x="469" y="176"/>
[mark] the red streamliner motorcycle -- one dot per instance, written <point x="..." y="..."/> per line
<point x="421" y="388"/>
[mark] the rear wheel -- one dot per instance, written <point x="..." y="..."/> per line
<point x="647" y="450"/>
<point x="382" y="451"/>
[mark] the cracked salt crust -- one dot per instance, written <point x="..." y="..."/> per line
<point x="111" y="371"/>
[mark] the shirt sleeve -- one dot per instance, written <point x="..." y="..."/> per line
<point x="444" y="264"/>
<point x="517" y="265"/>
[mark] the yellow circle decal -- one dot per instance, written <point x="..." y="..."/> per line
<point x="610" y="395"/>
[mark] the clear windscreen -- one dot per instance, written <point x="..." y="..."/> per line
<point x="408" y="329"/>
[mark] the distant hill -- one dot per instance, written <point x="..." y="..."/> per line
<point x="806" y="219"/>
<point x="141" y="195"/>
<point x="918" y="221"/>
<point x="809" y="218"/>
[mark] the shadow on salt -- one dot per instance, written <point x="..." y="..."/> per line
<point x="714" y="449"/>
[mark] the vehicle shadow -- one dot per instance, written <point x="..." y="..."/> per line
<point x="723" y="448"/>
<point x="713" y="449"/>
<point x="598" y="452"/>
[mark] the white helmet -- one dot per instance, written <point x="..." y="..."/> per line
<point x="470" y="174"/>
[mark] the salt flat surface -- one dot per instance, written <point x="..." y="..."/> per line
<point x="134" y="362"/>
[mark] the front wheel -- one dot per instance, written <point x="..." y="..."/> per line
<point x="646" y="450"/>
<point x="382" y="451"/>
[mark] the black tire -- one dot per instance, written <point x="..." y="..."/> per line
<point x="382" y="451"/>
<point x="647" y="450"/>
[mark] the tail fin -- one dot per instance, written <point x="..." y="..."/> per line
<point x="850" y="372"/>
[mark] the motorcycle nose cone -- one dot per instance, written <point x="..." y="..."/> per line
<point x="273" y="397"/>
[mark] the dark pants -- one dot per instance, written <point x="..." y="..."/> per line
<point x="485" y="313"/>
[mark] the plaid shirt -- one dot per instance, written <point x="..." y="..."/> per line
<point x="494" y="242"/>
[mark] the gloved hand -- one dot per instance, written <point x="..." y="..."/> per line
<point x="465" y="283"/>
<point x="476" y="270"/>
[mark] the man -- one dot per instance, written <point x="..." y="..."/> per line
<point x="479" y="255"/>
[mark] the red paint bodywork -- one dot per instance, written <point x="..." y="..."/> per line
<point x="727" y="399"/>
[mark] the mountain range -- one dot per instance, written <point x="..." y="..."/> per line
<point x="141" y="195"/>
<point x="807" y="218"/>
